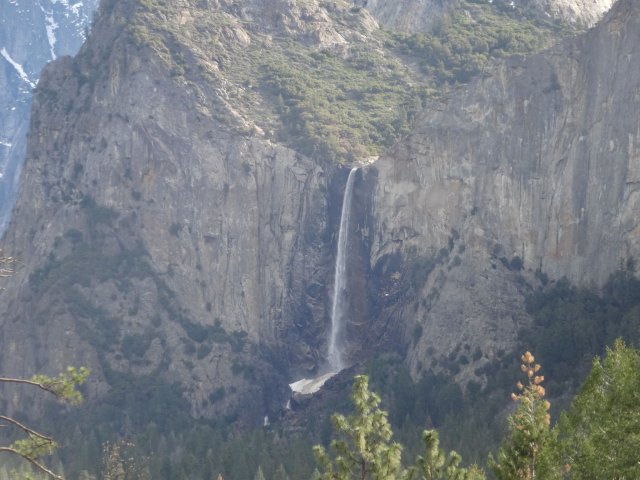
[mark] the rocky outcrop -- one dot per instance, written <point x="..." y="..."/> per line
<point x="172" y="244"/>
<point x="31" y="34"/>
<point x="583" y="13"/>
<point x="413" y="16"/>
<point x="536" y="164"/>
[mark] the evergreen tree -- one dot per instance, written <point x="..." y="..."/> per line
<point x="259" y="474"/>
<point x="600" y="433"/>
<point x="120" y="462"/>
<point x="364" y="449"/>
<point x="280" y="473"/>
<point x="519" y="458"/>
<point x="436" y="465"/>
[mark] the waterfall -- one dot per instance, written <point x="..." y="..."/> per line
<point x="339" y="306"/>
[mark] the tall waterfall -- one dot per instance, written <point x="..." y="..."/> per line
<point x="338" y="309"/>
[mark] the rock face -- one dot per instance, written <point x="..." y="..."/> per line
<point x="167" y="234"/>
<point x="583" y="13"/>
<point x="413" y="16"/>
<point x="172" y="244"/>
<point x="31" y="34"/>
<point x="537" y="164"/>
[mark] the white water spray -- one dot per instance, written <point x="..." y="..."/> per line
<point x="338" y="308"/>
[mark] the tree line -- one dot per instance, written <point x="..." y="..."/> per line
<point x="597" y="437"/>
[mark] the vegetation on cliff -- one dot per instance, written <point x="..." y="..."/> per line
<point x="327" y="83"/>
<point x="463" y="45"/>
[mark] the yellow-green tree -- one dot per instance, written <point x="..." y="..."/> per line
<point x="435" y="464"/>
<point x="519" y="457"/>
<point x="600" y="433"/>
<point x="364" y="449"/>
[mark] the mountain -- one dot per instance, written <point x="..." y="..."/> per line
<point x="31" y="34"/>
<point x="181" y="196"/>
<point x="529" y="173"/>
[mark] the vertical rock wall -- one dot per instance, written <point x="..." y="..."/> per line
<point x="538" y="161"/>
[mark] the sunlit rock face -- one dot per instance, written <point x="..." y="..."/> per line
<point x="583" y="13"/>
<point x="413" y="16"/>
<point x="535" y="167"/>
<point x="176" y="241"/>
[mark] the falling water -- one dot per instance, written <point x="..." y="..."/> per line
<point x="338" y="308"/>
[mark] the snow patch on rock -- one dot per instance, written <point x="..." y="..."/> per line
<point x="23" y="75"/>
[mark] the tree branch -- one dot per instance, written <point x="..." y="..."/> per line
<point x="42" y="386"/>
<point x="25" y="428"/>
<point x="34" y="462"/>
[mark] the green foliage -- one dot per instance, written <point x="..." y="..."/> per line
<point x="572" y="324"/>
<point x="64" y="385"/>
<point x="364" y="449"/>
<point x="463" y="44"/>
<point x="259" y="475"/>
<point x="139" y="400"/>
<point x="436" y="465"/>
<point x="24" y="472"/>
<point x="217" y="395"/>
<point x="337" y="108"/>
<point x="519" y="457"/>
<point x="333" y="106"/>
<point x="135" y="345"/>
<point x="120" y="462"/>
<point x="97" y="214"/>
<point x="34" y="445"/>
<point x="600" y="433"/>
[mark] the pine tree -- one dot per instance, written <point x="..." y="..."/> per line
<point x="259" y="474"/>
<point x="364" y="449"/>
<point x="120" y="462"/>
<point x="436" y="465"/>
<point x="280" y="473"/>
<point x="520" y="455"/>
<point x="600" y="433"/>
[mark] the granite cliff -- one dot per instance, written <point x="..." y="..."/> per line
<point x="422" y="15"/>
<point x="31" y="34"/>
<point x="155" y="229"/>
<point x="529" y="173"/>
<point x="182" y="186"/>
